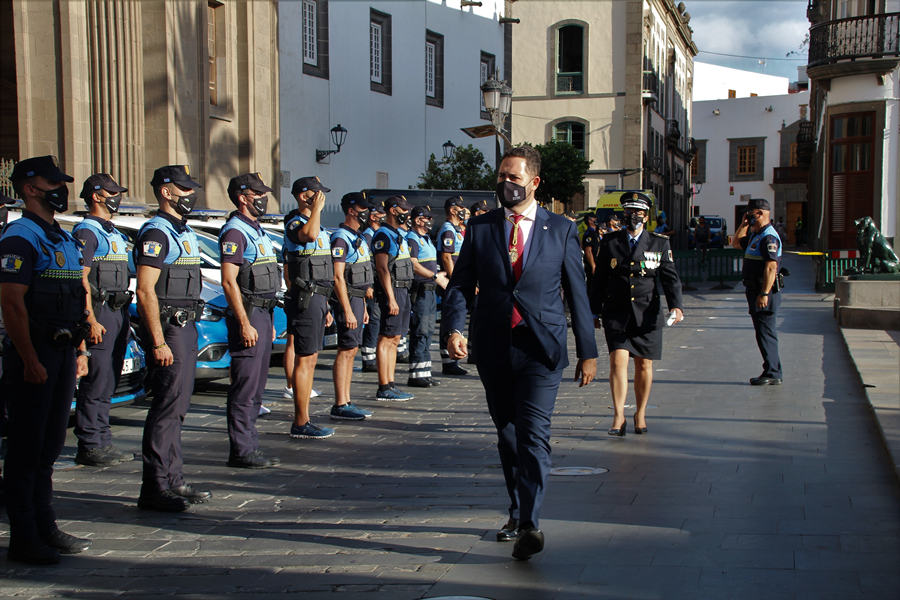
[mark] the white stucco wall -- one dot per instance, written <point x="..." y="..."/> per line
<point x="741" y="118"/>
<point x="389" y="134"/>
<point x="712" y="82"/>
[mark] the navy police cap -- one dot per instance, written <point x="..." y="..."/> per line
<point x="636" y="200"/>
<point x="39" y="166"/>
<point x="355" y="200"/>
<point x="178" y="174"/>
<point x="305" y="184"/>
<point x="248" y="181"/>
<point x="98" y="182"/>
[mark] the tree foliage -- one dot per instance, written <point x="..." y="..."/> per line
<point x="466" y="170"/>
<point x="562" y="172"/>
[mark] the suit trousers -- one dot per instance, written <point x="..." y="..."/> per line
<point x="36" y="433"/>
<point x="520" y="396"/>
<point x="249" y="373"/>
<point x="171" y="388"/>
<point x="97" y="387"/>
<point x="766" y="335"/>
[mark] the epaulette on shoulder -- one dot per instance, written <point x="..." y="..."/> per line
<point x="659" y="235"/>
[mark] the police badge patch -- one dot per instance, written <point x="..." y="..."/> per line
<point x="670" y="257"/>
<point x="337" y="252"/>
<point x="60" y="259"/>
<point x="229" y="248"/>
<point x="187" y="246"/>
<point x="115" y="247"/>
<point x="262" y="250"/>
<point x="448" y="241"/>
<point x="294" y="224"/>
<point x="11" y="263"/>
<point x="772" y="248"/>
<point x="320" y="243"/>
<point x="379" y="244"/>
<point x="152" y="249"/>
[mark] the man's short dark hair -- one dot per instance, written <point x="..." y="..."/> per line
<point x="532" y="158"/>
<point x="19" y="185"/>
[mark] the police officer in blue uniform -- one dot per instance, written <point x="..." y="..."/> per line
<point x="370" y="332"/>
<point x="250" y="279"/>
<point x="354" y="275"/>
<point x="630" y="262"/>
<point x="590" y="241"/>
<point x="106" y="278"/>
<point x="762" y="256"/>
<point x="167" y="257"/>
<point x="423" y="297"/>
<point x="307" y="255"/>
<point x="394" y="277"/>
<point x="479" y="208"/>
<point x="43" y="303"/>
<point x="449" y="242"/>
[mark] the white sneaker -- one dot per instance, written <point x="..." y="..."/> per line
<point x="263" y="410"/>
<point x="314" y="394"/>
<point x="288" y="393"/>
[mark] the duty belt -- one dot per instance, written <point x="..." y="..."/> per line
<point x="263" y="303"/>
<point x="61" y="337"/>
<point x="314" y="288"/>
<point x="429" y="286"/>
<point x="403" y="284"/>
<point x="181" y="316"/>
<point x="356" y="293"/>
<point x="118" y="300"/>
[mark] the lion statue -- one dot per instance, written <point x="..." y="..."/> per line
<point x="876" y="254"/>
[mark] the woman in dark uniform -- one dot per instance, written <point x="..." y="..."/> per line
<point x="625" y="296"/>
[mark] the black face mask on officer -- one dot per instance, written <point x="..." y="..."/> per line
<point x="381" y="219"/>
<point x="362" y="217"/>
<point x="112" y="202"/>
<point x="184" y="204"/>
<point x="401" y="217"/>
<point x="258" y="206"/>
<point x="633" y="221"/>
<point x="57" y="198"/>
<point x="510" y="194"/>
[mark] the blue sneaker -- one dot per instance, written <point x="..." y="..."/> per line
<point x="405" y="394"/>
<point x="310" y="431"/>
<point x="362" y="411"/>
<point x="392" y="395"/>
<point x="347" y="412"/>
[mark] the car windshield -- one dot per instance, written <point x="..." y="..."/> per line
<point x="713" y="222"/>
<point x="208" y="245"/>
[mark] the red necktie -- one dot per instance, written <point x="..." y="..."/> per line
<point x="516" y="250"/>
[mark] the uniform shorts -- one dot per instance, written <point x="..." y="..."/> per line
<point x="308" y="326"/>
<point x="398" y="324"/>
<point x="350" y="338"/>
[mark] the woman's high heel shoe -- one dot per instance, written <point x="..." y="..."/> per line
<point x="620" y="432"/>
<point x="640" y="430"/>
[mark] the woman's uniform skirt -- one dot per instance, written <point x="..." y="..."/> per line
<point x="645" y="344"/>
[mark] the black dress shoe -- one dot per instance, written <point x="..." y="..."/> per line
<point x="765" y="380"/>
<point x="509" y="531"/>
<point x="403" y="358"/>
<point x="191" y="494"/>
<point x="529" y="542"/>
<point x="64" y="543"/>
<point x="164" y="501"/>
<point x="32" y="552"/>
<point x="96" y="457"/>
<point x="254" y="460"/>
<point x="454" y="369"/>
<point x="434" y="382"/>
<point x="419" y="382"/>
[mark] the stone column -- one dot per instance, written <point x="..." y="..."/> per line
<point x="117" y="92"/>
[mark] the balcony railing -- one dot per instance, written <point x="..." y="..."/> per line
<point x="873" y="36"/>
<point x="569" y="83"/>
<point x="650" y="86"/>
<point x="790" y="175"/>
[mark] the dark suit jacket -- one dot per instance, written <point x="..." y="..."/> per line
<point x="553" y="262"/>
<point x="624" y="285"/>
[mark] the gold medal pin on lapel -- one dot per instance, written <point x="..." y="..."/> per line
<point x="613" y="263"/>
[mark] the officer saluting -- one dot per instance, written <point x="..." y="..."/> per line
<point x="41" y="267"/>
<point x="167" y="257"/>
<point x="624" y="293"/>
<point x="105" y="251"/>
<point x="250" y="279"/>
<point x="762" y="255"/>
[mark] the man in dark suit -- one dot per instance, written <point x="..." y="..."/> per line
<point x="624" y="293"/>
<point x="520" y="257"/>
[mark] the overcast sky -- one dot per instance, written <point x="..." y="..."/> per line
<point x="756" y="28"/>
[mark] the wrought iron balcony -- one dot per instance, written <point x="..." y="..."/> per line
<point x="650" y="86"/>
<point x="873" y="36"/>
<point x="790" y="175"/>
<point x="673" y="131"/>
<point x="569" y="83"/>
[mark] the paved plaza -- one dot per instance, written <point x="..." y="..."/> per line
<point x="735" y="492"/>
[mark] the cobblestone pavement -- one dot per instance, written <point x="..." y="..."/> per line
<point x="736" y="492"/>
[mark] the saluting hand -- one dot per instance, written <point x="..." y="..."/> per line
<point x="586" y="370"/>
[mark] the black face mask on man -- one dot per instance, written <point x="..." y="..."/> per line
<point x="633" y="221"/>
<point x="112" y="203"/>
<point x="401" y="217"/>
<point x="184" y="204"/>
<point x="510" y="194"/>
<point x="259" y="206"/>
<point x="363" y="218"/>
<point x="58" y="198"/>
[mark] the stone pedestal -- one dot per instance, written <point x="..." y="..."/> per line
<point x="867" y="303"/>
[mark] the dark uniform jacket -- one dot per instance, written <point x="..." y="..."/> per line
<point x="624" y="286"/>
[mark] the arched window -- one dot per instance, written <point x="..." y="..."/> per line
<point x="570" y="132"/>
<point x="570" y="59"/>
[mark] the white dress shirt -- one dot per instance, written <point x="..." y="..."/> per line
<point x="525" y="226"/>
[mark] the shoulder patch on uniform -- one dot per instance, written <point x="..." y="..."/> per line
<point x="448" y="241"/>
<point x="337" y="252"/>
<point x="294" y="224"/>
<point x="152" y="249"/>
<point x="11" y="263"/>
<point x="670" y="257"/>
<point x="379" y="244"/>
<point x="659" y="235"/>
<point x="772" y="248"/>
<point x="229" y="248"/>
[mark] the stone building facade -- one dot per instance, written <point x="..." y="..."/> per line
<point x="126" y="86"/>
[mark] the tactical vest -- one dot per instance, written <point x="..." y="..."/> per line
<point x="312" y="261"/>
<point x="427" y="254"/>
<point x="179" y="277"/>
<point x="56" y="293"/>
<point x="753" y="259"/>
<point x="109" y="268"/>
<point x="358" y="271"/>
<point x="400" y="264"/>
<point x="258" y="274"/>
<point x="457" y="240"/>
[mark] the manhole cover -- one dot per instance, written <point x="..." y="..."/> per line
<point x="65" y="465"/>
<point x="578" y="471"/>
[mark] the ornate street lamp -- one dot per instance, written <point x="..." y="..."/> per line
<point x="449" y="149"/>
<point x="338" y="137"/>
<point x="497" y="103"/>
